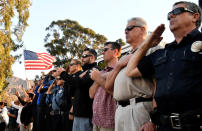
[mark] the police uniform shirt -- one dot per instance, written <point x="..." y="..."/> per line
<point x="57" y="98"/>
<point x="178" y="72"/>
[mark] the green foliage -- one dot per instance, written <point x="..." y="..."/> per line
<point x="67" y="39"/>
<point x="121" y="42"/>
<point x="10" y="33"/>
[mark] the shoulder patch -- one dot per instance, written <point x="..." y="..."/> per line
<point x="196" y="46"/>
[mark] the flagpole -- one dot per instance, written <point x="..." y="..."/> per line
<point x="27" y="80"/>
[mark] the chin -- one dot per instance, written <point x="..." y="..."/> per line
<point x="127" y="41"/>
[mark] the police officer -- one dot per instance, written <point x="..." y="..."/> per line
<point x="177" y="70"/>
<point x="56" y="90"/>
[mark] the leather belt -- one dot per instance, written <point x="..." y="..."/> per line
<point x="124" y="103"/>
<point x="137" y="100"/>
<point x="179" y="121"/>
<point x="142" y="99"/>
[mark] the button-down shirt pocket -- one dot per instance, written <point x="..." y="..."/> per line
<point x="192" y="62"/>
<point x="159" y="65"/>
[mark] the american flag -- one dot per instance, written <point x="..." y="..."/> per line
<point x="37" y="61"/>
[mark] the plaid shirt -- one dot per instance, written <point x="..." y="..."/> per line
<point x="104" y="107"/>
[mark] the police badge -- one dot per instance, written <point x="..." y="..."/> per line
<point x="197" y="47"/>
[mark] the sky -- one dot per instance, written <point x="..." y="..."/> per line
<point x="106" y="17"/>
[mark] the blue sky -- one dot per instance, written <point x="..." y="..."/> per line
<point x="106" y="17"/>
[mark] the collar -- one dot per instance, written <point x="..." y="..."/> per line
<point x="190" y="35"/>
<point x="108" y="68"/>
<point x="77" y="73"/>
<point x="89" y="66"/>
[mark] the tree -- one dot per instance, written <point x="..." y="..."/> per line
<point x="11" y="32"/>
<point x="67" y="39"/>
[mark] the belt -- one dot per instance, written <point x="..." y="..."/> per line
<point x="137" y="100"/>
<point x="142" y="99"/>
<point x="124" y="103"/>
<point x="56" y="112"/>
<point x="181" y="121"/>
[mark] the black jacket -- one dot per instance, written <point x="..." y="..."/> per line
<point x="82" y="103"/>
<point x="68" y="91"/>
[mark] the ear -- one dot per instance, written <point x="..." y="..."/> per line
<point x="195" y="17"/>
<point x="117" y="52"/>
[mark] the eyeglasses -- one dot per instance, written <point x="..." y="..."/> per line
<point x="85" y="56"/>
<point x="178" y="11"/>
<point x="106" y="49"/>
<point x="54" y="71"/>
<point x="129" y="28"/>
<point x="71" y="64"/>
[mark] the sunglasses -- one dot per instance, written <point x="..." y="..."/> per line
<point x="85" y="56"/>
<point x="71" y="64"/>
<point x="54" y="71"/>
<point x="129" y="28"/>
<point x="106" y="49"/>
<point x="178" y="11"/>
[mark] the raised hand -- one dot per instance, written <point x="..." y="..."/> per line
<point x="155" y="37"/>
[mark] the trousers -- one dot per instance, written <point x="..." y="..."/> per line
<point x="133" y="116"/>
<point x="82" y="124"/>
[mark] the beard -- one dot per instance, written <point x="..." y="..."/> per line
<point x="86" y="62"/>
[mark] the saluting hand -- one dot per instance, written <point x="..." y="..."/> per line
<point x="155" y="36"/>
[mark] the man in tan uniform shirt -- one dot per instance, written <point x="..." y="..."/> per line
<point x="133" y="95"/>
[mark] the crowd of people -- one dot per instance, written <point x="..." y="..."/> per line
<point x="150" y="88"/>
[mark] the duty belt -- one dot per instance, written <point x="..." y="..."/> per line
<point x="191" y="119"/>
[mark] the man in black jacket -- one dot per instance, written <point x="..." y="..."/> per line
<point x="82" y="106"/>
<point x="74" y="69"/>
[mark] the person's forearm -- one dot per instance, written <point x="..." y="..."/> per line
<point x="131" y="69"/>
<point x="93" y="90"/>
<point x="11" y="115"/>
<point x="38" y="91"/>
<point x="151" y="41"/>
<point x="25" y="93"/>
<point x="50" y="88"/>
<point x="21" y="101"/>
<point x="109" y="84"/>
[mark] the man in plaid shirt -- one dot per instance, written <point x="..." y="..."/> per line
<point x="104" y="105"/>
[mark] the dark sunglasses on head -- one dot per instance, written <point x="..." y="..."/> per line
<point x="106" y="49"/>
<point x="71" y="64"/>
<point x="178" y="11"/>
<point x="129" y="28"/>
<point x="85" y="56"/>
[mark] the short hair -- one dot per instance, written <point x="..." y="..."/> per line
<point x="193" y="7"/>
<point x="1" y="103"/>
<point x="31" y="95"/>
<point x="114" y="45"/>
<point x="92" y="51"/>
<point x="139" y="22"/>
<point x="77" y="61"/>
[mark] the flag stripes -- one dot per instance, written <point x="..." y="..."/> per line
<point x="37" y="61"/>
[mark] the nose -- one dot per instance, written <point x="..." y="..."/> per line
<point x="126" y="31"/>
<point x="171" y="16"/>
